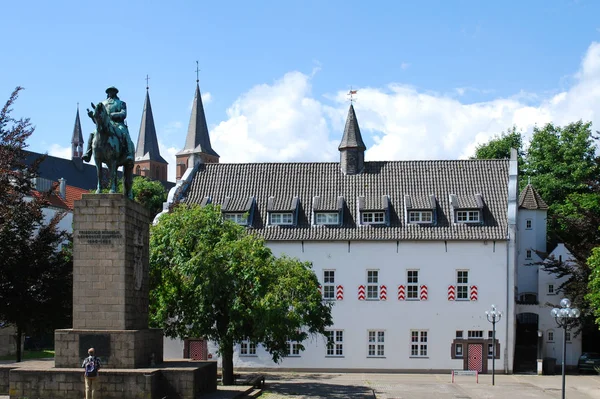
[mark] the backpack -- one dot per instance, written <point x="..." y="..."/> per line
<point x="91" y="367"/>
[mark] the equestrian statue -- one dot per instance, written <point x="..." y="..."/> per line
<point x="110" y="143"/>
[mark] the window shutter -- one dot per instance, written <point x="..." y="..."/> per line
<point x="361" y="292"/>
<point x="383" y="293"/>
<point x="423" y="293"/>
<point x="451" y="292"/>
<point x="339" y="293"/>
<point x="473" y="295"/>
<point x="401" y="293"/>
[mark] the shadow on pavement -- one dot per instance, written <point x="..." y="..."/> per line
<point x="320" y="390"/>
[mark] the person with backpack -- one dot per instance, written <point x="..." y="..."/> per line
<point x="91" y="364"/>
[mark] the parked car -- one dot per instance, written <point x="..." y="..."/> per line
<point x="588" y="361"/>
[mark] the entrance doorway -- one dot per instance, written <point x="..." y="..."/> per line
<point x="475" y="353"/>
<point x="526" y="343"/>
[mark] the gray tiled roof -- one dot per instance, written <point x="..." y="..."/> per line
<point x="352" y="137"/>
<point x="147" y="144"/>
<point x="197" y="139"/>
<point x="328" y="203"/>
<point x="531" y="199"/>
<point x="420" y="201"/>
<point x="237" y="204"/>
<point x="284" y="181"/>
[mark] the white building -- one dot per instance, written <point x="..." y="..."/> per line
<point x="412" y="253"/>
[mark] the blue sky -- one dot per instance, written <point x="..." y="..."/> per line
<point x="434" y="77"/>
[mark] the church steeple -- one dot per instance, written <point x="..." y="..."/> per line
<point x="77" y="139"/>
<point x="197" y="141"/>
<point x="352" y="148"/>
<point x="148" y="161"/>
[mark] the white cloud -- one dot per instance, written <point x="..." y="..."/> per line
<point x="206" y="97"/>
<point x="58" y="151"/>
<point x="404" y="66"/>
<point x="284" y="122"/>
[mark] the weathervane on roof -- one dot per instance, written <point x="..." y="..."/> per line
<point x="197" y="70"/>
<point x="351" y="93"/>
<point x="147" y="79"/>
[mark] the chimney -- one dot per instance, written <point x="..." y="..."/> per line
<point x="63" y="188"/>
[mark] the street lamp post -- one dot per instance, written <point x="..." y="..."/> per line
<point x="565" y="316"/>
<point x="493" y="317"/>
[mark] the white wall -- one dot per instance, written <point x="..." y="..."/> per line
<point x="437" y="263"/>
<point x="532" y="239"/>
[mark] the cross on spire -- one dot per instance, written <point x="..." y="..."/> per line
<point x="351" y="93"/>
<point x="197" y="70"/>
<point x="147" y="79"/>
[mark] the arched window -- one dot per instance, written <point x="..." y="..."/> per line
<point x="137" y="170"/>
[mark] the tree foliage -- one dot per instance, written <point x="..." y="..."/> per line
<point x="35" y="277"/>
<point x="149" y="193"/>
<point x="593" y="295"/>
<point x="499" y="147"/>
<point x="211" y="279"/>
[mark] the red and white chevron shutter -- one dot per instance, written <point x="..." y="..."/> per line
<point x="383" y="293"/>
<point x="321" y="290"/>
<point x="339" y="293"/>
<point x="451" y="293"/>
<point x="401" y="293"/>
<point x="473" y="295"/>
<point x="361" y="292"/>
<point x="423" y="293"/>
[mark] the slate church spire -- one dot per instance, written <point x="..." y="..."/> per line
<point x="197" y="141"/>
<point x="148" y="161"/>
<point x="77" y="142"/>
<point x="352" y="148"/>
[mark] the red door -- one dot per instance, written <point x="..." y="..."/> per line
<point x="198" y="350"/>
<point x="475" y="357"/>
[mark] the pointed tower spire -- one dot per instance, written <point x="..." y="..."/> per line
<point x="148" y="161"/>
<point x="197" y="140"/>
<point x="77" y="139"/>
<point x="352" y="148"/>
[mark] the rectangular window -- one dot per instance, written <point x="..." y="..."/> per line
<point x="528" y="224"/>
<point x="418" y="343"/>
<point x="462" y="285"/>
<point x="568" y="335"/>
<point x="293" y="348"/>
<point x="247" y="348"/>
<point x="376" y="345"/>
<point x="281" y="218"/>
<point x="467" y="216"/>
<point x="329" y="284"/>
<point x="412" y="284"/>
<point x="490" y="334"/>
<point x="335" y="342"/>
<point x="373" y="217"/>
<point x="490" y="351"/>
<point x="528" y="254"/>
<point x="239" y="218"/>
<point x="459" y="334"/>
<point x="420" y="216"/>
<point x="550" y="336"/>
<point x="551" y="289"/>
<point x="475" y="334"/>
<point x="458" y="350"/>
<point x="323" y="218"/>
<point x="372" y="284"/>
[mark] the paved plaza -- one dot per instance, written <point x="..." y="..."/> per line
<point x="421" y="386"/>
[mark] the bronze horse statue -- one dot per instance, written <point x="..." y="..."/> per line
<point x="108" y="147"/>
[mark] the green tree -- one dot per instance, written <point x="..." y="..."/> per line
<point x="35" y="277"/>
<point x="499" y="147"/>
<point x="211" y="279"/>
<point x="561" y="161"/>
<point x="149" y="193"/>
<point x="593" y="295"/>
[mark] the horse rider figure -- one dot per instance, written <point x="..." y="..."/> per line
<point x="117" y="110"/>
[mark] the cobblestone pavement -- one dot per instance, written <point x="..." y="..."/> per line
<point x="421" y="386"/>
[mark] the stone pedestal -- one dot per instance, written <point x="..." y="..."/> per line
<point x="110" y="286"/>
<point x="110" y="314"/>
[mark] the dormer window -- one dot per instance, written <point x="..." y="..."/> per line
<point x="420" y="216"/>
<point x="373" y="217"/>
<point x="239" y="209"/>
<point x="327" y="218"/>
<point x="467" y="216"/>
<point x="374" y="210"/>
<point x="286" y="218"/>
<point x="467" y="209"/>
<point x="283" y="211"/>
<point x="239" y="218"/>
<point x="327" y="210"/>
<point x="420" y="209"/>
